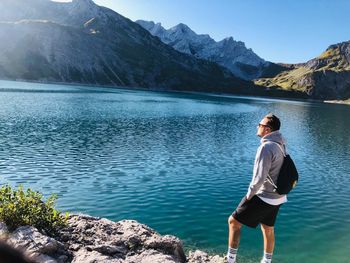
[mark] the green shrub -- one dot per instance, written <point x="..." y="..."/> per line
<point x="20" y="207"/>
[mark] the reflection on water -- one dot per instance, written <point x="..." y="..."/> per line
<point x="178" y="162"/>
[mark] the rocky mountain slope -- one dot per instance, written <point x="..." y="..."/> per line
<point x="324" y="77"/>
<point x="82" y="42"/>
<point x="234" y="55"/>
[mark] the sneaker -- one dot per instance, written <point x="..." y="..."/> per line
<point x="230" y="260"/>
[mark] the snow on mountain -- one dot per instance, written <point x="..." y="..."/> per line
<point x="234" y="55"/>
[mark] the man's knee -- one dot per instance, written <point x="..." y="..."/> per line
<point x="269" y="230"/>
<point x="233" y="223"/>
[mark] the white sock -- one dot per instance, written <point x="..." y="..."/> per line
<point x="231" y="255"/>
<point x="267" y="258"/>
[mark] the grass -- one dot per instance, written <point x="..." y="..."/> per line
<point x="287" y="80"/>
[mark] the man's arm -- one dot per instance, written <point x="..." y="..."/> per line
<point x="261" y="169"/>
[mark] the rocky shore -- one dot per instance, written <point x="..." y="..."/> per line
<point x="89" y="239"/>
<point x="338" y="101"/>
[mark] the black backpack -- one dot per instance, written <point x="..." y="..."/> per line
<point x="288" y="176"/>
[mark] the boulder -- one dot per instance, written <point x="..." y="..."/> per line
<point x="89" y="239"/>
<point x="125" y="240"/>
<point x="39" y="247"/>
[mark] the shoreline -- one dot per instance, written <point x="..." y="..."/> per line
<point x="211" y="94"/>
<point x="342" y="102"/>
<point x="88" y="239"/>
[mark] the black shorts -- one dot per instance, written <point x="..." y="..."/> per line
<point x="255" y="211"/>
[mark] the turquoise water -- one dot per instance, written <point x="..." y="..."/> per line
<point x="179" y="163"/>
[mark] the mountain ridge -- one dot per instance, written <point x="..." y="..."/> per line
<point x="325" y="77"/>
<point x="86" y="43"/>
<point x="232" y="54"/>
<point x="83" y="43"/>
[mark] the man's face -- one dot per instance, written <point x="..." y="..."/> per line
<point x="263" y="128"/>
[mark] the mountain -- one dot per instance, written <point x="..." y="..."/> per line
<point x="324" y="77"/>
<point x="234" y="55"/>
<point x="82" y="42"/>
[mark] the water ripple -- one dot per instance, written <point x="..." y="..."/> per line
<point x="179" y="163"/>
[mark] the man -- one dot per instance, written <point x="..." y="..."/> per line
<point x="261" y="203"/>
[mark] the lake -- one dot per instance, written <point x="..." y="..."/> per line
<point x="179" y="163"/>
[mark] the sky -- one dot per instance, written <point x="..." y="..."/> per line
<point x="287" y="31"/>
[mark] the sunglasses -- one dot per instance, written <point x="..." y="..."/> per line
<point x="264" y="125"/>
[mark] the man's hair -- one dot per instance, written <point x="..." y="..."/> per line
<point x="273" y="122"/>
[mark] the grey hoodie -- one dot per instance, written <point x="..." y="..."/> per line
<point x="268" y="161"/>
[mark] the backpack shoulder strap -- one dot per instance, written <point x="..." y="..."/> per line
<point x="283" y="150"/>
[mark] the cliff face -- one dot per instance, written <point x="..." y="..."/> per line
<point x="325" y="77"/>
<point x="85" y="43"/>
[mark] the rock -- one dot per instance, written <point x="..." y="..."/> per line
<point x="93" y="240"/>
<point x="167" y="244"/>
<point x="86" y="256"/>
<point x="151" y="256"/>
<point x="202" y="257"/>
<point x="42" y="258"/>
<point x="126" y="241"/>
<point x="74" y="247"/>
<point x="111" y="250"/>
<point x="41" y="248"/>
<point x="4" y="232"/>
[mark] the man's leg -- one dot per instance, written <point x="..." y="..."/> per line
<point x="269" y="242"/>
<point x="234" y="235"/>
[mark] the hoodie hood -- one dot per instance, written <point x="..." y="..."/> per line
<point x="275" y="136"/>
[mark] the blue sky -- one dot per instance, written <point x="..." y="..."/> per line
<point x="288" y="31"/>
